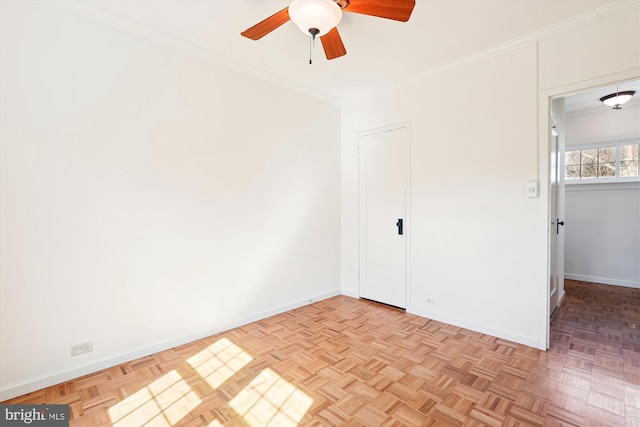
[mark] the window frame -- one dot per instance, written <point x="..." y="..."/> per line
<point x="597" y="145"/>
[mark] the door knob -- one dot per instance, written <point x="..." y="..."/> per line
<point x="558" y="224"/>
<point x="399" y="225"/>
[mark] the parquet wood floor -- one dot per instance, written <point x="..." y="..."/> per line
<point x="352" y="362"/>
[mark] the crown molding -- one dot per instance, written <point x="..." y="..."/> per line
<point x="578" y="21"/>
<point x="565" y="26"/>
<point x="170" y="41"/>
<point x="571" y="24"/>
<point x="568" y="25"/>
<point x="616" y="8"/>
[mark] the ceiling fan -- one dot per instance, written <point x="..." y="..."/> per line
<point x="320" y="17"/>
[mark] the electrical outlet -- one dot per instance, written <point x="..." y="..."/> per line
<point x="82" y="348"/>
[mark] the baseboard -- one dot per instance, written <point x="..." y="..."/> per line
<point x="603" y="280"/>
<point x="350" y="294"/>
<point x="520" y="339"/>
<point x="32" y="384"/>
<point x="561" y="298"/>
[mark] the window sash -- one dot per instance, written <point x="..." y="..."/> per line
<point x="599" y="163"/>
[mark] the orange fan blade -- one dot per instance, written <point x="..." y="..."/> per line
<point x="398" y="10"/>
<point x="332" y="44"/>
<point x="263" y="28"/>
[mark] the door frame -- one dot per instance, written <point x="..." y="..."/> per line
<point x="544" y="166"/>
<point x="407" y="225"/>
<point x="556" y="202"/>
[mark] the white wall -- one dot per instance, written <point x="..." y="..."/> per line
<point x="602" y="125"/>
<point x="473" y="150"/>
<point x="148" y="197"/>
<point x="602" y="233"/>
<point x="479" y="247"/>
<point x="593" y="55"/>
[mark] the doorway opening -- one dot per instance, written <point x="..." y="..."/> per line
<point x="594" y="190"/>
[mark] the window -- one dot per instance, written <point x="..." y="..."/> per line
<point x="629" y="160"/>
<point x="602" y="162"/>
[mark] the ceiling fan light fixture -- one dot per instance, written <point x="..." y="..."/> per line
<point x="615" y="100"/>
<point x="322" y="15"/>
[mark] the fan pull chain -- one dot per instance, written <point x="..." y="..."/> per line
<point x="312" y="41"/>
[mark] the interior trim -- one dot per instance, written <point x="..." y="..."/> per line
<point x="571" y="24"/>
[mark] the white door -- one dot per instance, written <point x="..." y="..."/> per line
<point x="384" y="175"/>
<point x="556" y="231"/>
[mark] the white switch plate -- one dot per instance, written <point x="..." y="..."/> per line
<point x="532" y="189"/>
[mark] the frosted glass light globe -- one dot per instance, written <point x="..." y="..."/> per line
<point x="321" y="14"/>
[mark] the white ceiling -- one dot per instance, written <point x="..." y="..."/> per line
<point x="590" y="100"/>
<point x="379" y="51"/>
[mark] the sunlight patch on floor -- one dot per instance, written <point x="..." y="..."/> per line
<point x="219" y="362"/>
<point x="269" y="400"/>
<point x="164" y="402"/>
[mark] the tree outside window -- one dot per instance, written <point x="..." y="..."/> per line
<point x="602" y="162"/>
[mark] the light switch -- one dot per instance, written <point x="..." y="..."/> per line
<point x="532" y="189"/>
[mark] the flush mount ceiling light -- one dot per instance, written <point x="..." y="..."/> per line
<point x="615" y="100"/>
